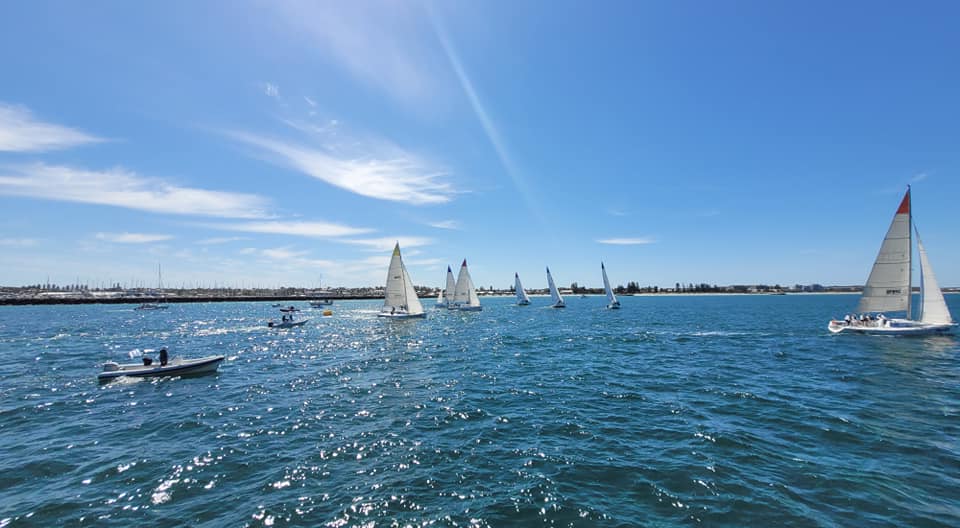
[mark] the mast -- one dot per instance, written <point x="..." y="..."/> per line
<point x="910" y="254"/>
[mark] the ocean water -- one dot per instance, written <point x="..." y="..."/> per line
<point x="674" y="411"/>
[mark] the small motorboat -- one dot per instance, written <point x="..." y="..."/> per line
<point x="148" y="369"/>
<point x="290" y="309"/>
<point x="286" y="324"/>
<point x="319" y="303"/>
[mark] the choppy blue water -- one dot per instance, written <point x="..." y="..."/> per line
<point x="674" y="411"/>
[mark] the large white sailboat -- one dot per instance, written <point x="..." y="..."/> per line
<point x="445" y="299"/>
<point x="556" y="301"/>
<point x="465" y="295"/>
<point x="159" y="303"/>
<point x="522" y="298"/>
<point x="400" y="299"/>
<point x="889" y="288"/>
<point x="612" y="302"/>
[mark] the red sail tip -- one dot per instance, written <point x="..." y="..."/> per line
<point x="905" y="204"/>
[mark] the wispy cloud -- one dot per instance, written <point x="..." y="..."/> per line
<point x="617" y="212"/>
<point x="379" y="44"/>
<point x="387" y="243"/>
<point x="18" y="242"/>
<point x="122" y="188"/>
<point x="445" y="224"/>
<point x="311" y="102"/>
<point x="133" y="238"/>
<point x="919" y="177"/>
<point x="373" y="169"/>
<point x="20" y="131"/>
<point x="295" y="228"/>
<point x="271" y="90"/>
<point x="218" y="240"/>
<point x="627" y="241"/>
<point x="288" y="258"/>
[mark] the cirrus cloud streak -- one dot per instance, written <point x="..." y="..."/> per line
<point x="122" y="188"/>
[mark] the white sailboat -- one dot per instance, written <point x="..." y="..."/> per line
<point x="157" y="304"/>
<point x="889" y="288"/>
<point x="556" y="301"/>
<point x="464" y="294"/>
<point x="445" y="299"/>
<point x="612" y="302"/>
<point x="522" y="298"/>
<point x="400" y="298"/>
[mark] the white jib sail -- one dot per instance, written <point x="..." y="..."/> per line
<point x="933" y="308"/>
<point x="522" y="297"/>
<point x="410" y="294"/>
<point x="888" y="287"/>
<point x="611" y="298"/>
<point x="555" y="297"/>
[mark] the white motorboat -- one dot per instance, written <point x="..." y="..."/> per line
<point x="287" y="324"/>
<point x="889" y="288"/>
<point x="148" y="369"/>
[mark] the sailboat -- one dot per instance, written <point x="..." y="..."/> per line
<point x="522" y="299"/>
<point x="556" y="301"/>
<point x="445" y="299"/>
<point x="157" y="304"/>
<point x="612" y="302"/>
<point x="889" y="287"/>
<point x="464" y="294"/>
<point x="400" y="299"/>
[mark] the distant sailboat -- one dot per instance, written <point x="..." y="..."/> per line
<point x="445" y="299"/>
<point x="157" y="304"/>
<point x="400" y="299"/>
<point x="465" y="295"/>
<point x="889" y="288"/>
<point x="612" y="302"/>
<point x="522" y="298"/>
<point x="556" y="301"/>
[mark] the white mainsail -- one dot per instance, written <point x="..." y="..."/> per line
<point x="522" y="298"/>
<point x="888" y="287"/>
<point x="612" y="301"/>
<point x="400" y="297"/>
<point x="933" y="307"/>
<point x="465" y="295"/>
<point x="555" y="298"/>
<point x="445" y="299"/>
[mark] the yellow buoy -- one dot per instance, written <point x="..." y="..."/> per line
<point x="327" y="313"/>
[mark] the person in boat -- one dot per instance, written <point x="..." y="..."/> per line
<point x="163" y="357"/>
<point x="393" y="310"/>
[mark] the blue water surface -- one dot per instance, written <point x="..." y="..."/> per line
<point x="673" y="411"/>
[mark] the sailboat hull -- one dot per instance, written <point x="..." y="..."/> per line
<point x="469" y="308"/>
<point x="613" y="306"/>
<point x="896" y="327"/>
<point x="523" y="303"/>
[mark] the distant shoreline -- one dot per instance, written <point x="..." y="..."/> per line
<point x="27" y="301"/>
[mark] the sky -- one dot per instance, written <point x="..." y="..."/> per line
<point x="291" y="143"/>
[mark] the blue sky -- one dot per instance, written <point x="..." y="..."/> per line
<point x="269" y="143"/>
